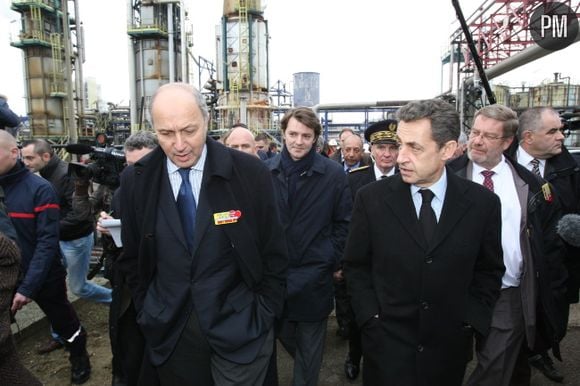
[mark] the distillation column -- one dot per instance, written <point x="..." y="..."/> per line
<point x="49" y="63"/>
<point x="242" y="67"/>
<point x="155" y="31"/>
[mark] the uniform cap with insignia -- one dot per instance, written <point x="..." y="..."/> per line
<point x="382" y="132"/>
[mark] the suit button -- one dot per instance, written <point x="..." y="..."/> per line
<point x="420" y="348"/>
<point x="425" y="305"/>
<point x="428" y="260"/>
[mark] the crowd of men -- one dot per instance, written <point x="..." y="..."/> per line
<point x="434" y="245"/>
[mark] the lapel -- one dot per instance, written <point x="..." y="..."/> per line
<point x="455" y="205"/>
<point x="218" y="167"/>
<point x="401" y="204"/>
<point x="168" y="208"/>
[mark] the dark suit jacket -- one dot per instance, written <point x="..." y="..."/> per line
<point x="358" y="178"/>
<point x="423" y="294"/>
<point x="234" y="279"/>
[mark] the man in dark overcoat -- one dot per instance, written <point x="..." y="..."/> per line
<point x="423" y="258"/>
<point x="204" y="250"/>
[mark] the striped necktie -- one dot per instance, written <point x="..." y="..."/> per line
<point x="536" y="167"/>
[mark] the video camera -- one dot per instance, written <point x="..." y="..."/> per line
<point x="107" y="165"/>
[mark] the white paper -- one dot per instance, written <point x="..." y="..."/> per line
<point x="114" y="226"/>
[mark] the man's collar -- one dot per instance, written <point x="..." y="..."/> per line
<point x="438" y="188"/>
<point x="171" y="167"/>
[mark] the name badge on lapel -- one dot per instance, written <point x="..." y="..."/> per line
<point x="547" y="192"/>
<point x="228" y="217"/>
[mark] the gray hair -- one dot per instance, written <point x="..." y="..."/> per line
<point x="531" y="119"/>
<point x="507" y="116"/>
<point x="139" y="140"/>
<point x="198" y="96"/>
<point x="444" y="119"/>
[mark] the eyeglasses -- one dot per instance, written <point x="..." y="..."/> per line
<point x="486" y="136"/>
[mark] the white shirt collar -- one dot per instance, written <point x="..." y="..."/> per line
<point x="172" y="168"/>
<point x="525" y="158"/>
<point x="438" y="188"/>
<point x="499" y="169"/>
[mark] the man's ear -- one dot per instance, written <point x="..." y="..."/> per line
<point x="527" y="137"/>
<point x="448" y="150"/>
<point x="45" y="157"/>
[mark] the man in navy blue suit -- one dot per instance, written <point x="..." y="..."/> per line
<point x="204" y="251"/>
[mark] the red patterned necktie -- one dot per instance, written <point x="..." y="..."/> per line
<point x="487" y="181"/>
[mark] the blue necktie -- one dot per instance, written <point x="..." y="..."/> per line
<point x="186" y="207"/>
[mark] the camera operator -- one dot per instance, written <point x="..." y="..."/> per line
<point x="76" y="223"/>
<point x="127" y="342"/>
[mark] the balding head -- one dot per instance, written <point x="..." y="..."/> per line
<point x="352" y="150"/>
<point x="241" y="139"/>
<point x="8" y="152"/>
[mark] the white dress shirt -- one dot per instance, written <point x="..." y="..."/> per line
<point x="438" y="188"/>
<point x="511" y="215"/>
<point x="195" y="175"/>
<point x="379" y="174"/>
<point x="525" y="159"/>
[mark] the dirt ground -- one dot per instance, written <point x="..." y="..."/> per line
<point x="53" y="369"/>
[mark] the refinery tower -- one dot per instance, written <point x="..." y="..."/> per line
<point x="242" y="67"/>
<point x="157" y="52"/>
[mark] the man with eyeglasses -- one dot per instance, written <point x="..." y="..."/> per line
<point x="527" y="315"/>
<point x="541" y="150"/>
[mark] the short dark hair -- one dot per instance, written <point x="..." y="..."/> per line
<point x="505" y="115"/>
<point x="261" y="137"/>
<point x="41" y="146"/>
<point x="305" y="116"/>
<point x="139" y="140"/>
<point x="444" y="119"/>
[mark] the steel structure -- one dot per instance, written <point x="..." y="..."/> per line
<point x="502" y="35"/>
<point x="157" y="45"/>
<point x="242" y="67"/>
<point x="52" y="42"/>
<point x="501" y="28"/>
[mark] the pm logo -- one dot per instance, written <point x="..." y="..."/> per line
<point x="553" y="25"/>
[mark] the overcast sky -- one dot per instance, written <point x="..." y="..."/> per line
<point x="364" y="50"/>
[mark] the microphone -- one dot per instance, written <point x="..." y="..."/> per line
<point x="79" y="148"/>
<point x="569" y="229"/>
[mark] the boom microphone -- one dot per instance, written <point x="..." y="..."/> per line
<point x="79" y="148"/>
<point x="569" y="229"/>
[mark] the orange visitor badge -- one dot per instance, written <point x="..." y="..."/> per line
<point x="228" y="217"/>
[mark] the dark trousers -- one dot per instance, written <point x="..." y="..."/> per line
<point x="344" y="315"/>
<point x="127" y="342"/>
<point x="193" y="362"/>
<point x="346" y="320"/>
<point x="502" y="356"/>
<point x="52" y="300"/>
